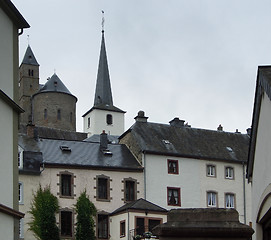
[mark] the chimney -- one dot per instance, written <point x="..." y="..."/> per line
<point x="103" y="140"/>
<point x="176" y="122"/>
<point x="31" y="131"/>
<point x="220" y="128"/>
<point x="249" y="131"/>
<point x="141" y="117"/>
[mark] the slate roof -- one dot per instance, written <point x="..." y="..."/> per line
<point x="140" y="204"/>
<point x="29" y="57"/>
<point x="164" y="139"/>
<point x="54" y="84"/>
<point x="96" y="138"/>
<point x="52" y="133"/>
<point x="263" y="84"/>
<point x="103" y="99"/>
<point x="81" y="154"/>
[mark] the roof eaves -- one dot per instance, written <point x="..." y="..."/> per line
<point x="14" y="14"/>
<point x="10" y="102"/>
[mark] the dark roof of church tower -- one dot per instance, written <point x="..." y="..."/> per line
<point x="54" y="84"/>
<point x="29" y="57"/>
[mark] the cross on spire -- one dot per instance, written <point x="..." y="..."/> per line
<point x="102" y="20"/>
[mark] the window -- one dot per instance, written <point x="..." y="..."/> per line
<point x="229" y="173"/>
<point x="66" y="223"/>
<point x="21" y="228"/>
<point x="66" y="184"/>
<point x="174" y="196"/>
<point x="102" y="188"/>
<point x="173" y="167"/>
<point x="58" y="114"/>
<point x="122" y="228"/>
<point x="146" y="224"/>
<point x="109" y="119"/>
<point x="129" y="190"/>
<point x="20" y="193"/>
<point x="211" y="171"/>
<point x="211" y="199"/>
<point x="30" y="72"/>
<point x="20" y="157"/>
<point x="88" y="122"/>
<point x="102" y="226"/>
<point x="229" y="200"/>
<point x="45" y="114"/>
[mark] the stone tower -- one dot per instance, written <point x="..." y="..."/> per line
<point x="28" y="84"/>
<point x="54" y="106"/>
<point x="103" y="115"/>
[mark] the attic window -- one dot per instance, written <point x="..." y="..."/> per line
<point x="107" y="152"/>
<point x="166" y="141"/>
<point x="65" y="148"/>
<point x="229" y="149"/>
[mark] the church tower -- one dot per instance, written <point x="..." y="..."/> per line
<point x="28" y="83"/>
<point x="103" y="115"/>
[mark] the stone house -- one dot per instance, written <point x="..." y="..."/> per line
<point x="186" y="167"/>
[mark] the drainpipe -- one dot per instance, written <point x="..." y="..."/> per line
<point x="145" y="192"/>
<point x="244" y="191"/>
<point x="129" y="233"/>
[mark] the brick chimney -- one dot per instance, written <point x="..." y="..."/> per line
<point x="141" y="117"/>
<point x="176" y="122"/>
<point x="103" y="141"/>
<point x="31" y="131"/>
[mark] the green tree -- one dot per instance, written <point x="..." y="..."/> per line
<point x="85" y="210"/>
<point x="43" y="209"/>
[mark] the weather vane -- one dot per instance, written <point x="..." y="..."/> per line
<point x="103" y="21"/>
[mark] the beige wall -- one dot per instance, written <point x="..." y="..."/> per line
<point x="130" y="223"/>
<point x="84" y="179"/>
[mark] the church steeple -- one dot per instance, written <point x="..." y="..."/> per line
<point x="103" y="116"/>
<point x="103" y="94"/>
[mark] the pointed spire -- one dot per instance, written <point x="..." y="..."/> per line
<point x="103" y="94"/>
<point x="29" y="57"/>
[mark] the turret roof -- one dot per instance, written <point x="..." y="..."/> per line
<point x="54" y="84"/>
<point x="29" y="57"/>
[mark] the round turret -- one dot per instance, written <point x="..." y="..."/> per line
<point x="54" y="106"/>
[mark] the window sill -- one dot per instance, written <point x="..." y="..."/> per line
<point x="68" y="197"/>
<point x="102" y="200"/>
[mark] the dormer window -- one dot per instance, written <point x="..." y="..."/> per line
<point x="109" y="119"/>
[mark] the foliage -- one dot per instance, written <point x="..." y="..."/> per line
<point x="43" y="209"/>
<point x="85" y="210"/>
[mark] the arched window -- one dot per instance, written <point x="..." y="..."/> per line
<point x="109" y="119"/>
<point x="58" y="114"/>
<point x="45" y="114"/>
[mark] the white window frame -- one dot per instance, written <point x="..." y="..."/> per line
<point x="229" y="200"/>
<point x="212" y="199"/>
<point x="21" y="193"/>
<point x="229" y="172"/>
<point x="21" y="228"/>
<point x="211" y="170"/>
<point x="20" y="157"/>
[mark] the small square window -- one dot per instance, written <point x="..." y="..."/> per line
<point x="122" y="228"/>
<point x="229" y="200"/>
<point x="211" y="199"/>
<point x="173" y="166"/>
<point x="211" y="170"/>
<point x="229" y="173"/>
<point x="174" y="196"/>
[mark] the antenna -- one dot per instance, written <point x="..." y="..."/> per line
<point x="102" y="20"/>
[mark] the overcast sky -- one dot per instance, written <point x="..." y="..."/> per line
<point x="192" y="59"/>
